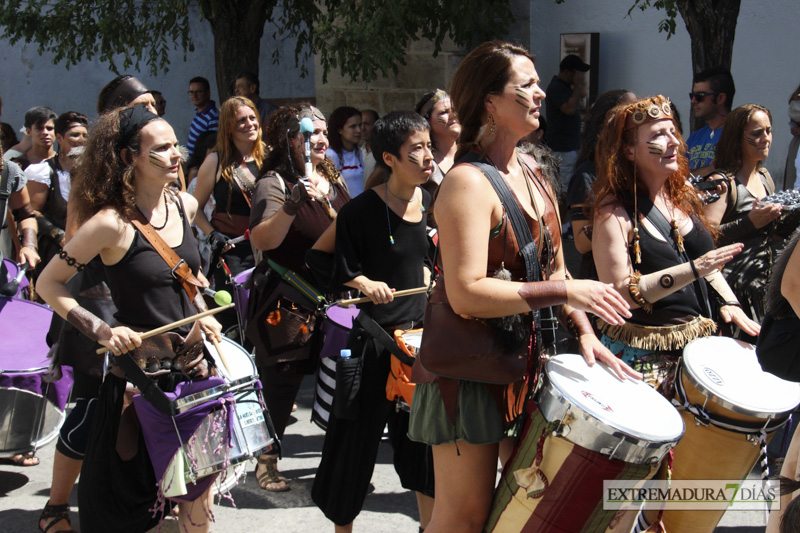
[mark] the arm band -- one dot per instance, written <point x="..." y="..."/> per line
<point x="28" y="239"/>
<point x="578" y="323"/>
<point x="21" y="213"/>
<point x="736" y="230"/>
<point x="650" y="288"/>
<point x="89" y="324"/>
<point x="718" y="283"/>
<point x="539" y="294"/>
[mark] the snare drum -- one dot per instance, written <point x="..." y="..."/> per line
<point x="336" y="328"/>
<point x="31" y="410"/>
<point x="726" y="401"/>
<point x="234" y="363"/>
<point x="585" y="427"/>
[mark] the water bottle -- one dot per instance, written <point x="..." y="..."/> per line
<point x="345" y="354"/>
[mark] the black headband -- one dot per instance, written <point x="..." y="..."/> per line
<point x="131" y="121"/>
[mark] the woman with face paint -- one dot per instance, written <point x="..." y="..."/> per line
<point x="287" y="218"/>
<point x="127" y="172"/>
<point x="346" y="154"/>
<point x="229" y="173"/>
<point x="437" y="109"/>
<point x="739" y="214"/>
<point x="469" y="424"/>
<point x="657" y="249"/>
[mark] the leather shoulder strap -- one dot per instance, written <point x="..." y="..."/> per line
<point x="180" y="270"/>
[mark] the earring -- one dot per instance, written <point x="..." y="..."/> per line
<point x="493" y="128"/>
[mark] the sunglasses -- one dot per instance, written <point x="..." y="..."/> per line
<point x="700" y="96"/>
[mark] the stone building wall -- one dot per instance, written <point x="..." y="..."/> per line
<point x="421" y="73"/>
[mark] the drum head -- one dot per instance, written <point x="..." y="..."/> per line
<point x="632" y="407"/>
<point x="342" y="316"/>
<point x="237" y="362"/>
<point x="727" y="371"/>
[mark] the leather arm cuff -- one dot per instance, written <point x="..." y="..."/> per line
<point x="579" y="323"/>
<point x="736" y="230"/>
<point x="29" y="239"/>
<point x="199" y="302"/>
<point x="89" y="324"/>
<point x="21" y="213"/>
<point x="539" y="294"/>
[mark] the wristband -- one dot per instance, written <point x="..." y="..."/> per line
<point x="89" y="324"/>
<point x="21" y="213"/>
<point x="539" y="294"/>
<point x="579" y="323"/>
<point x="28" y="239"/>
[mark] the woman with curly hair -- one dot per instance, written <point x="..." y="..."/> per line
<point x="347" y="157"/>
<point x="126" y="174"/>
<point x="739" y="215"/>
<point x="287" y="218"/>
<point x="658" y="250"/>
<point x="229" y="173"/>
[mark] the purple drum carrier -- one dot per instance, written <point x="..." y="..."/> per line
<point x="336" y="327"/>
<point x="159" y="432"/>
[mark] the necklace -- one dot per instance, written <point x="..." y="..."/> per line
<point x="676" y="234"/>
<point x="166" y="215"/>
<point x="388" y="220"/>
<point x="421" y="207"/>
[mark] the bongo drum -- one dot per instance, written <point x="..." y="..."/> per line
<point x="31" y="409"/>
<point x="731" y="409"/>
<point x="585" y="427"/>
<point x="336" y="328"/>
<point x="399" y="388"/>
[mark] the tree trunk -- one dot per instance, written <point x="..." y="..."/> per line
<point x="712" y="28"/>
<point x="238" y="26"/>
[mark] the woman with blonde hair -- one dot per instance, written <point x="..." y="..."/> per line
<point x="230" y="173"/>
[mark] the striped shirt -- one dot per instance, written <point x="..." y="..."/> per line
<point x="205" y="120"/>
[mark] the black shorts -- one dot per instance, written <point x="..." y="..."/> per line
<point x="74" y="434"/>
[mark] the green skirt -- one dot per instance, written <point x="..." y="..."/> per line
<point x="477" y="420"/>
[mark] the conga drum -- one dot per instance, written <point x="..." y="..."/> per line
<point x="731" y="408"/>
<point x="336" y="328"/>
<point x="585" y="427"/>
<point x="31" y="409"/>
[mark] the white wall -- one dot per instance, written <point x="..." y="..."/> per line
<point x="28" y="79"/>
<point x="635" y="56"/>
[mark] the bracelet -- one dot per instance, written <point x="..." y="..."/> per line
<point x="732" y="304"/>
<point x="636" y="295"/>
<point x="71" y="261"/>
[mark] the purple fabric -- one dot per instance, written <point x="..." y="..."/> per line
<point x="23" y="356"/>
<point x="159" y="432"/>
<point x="241" y="296"/>
<point x="337" y="326"/>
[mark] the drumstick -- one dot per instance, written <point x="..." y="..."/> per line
<point x="364" y="299"/>
<point x="222" y="356"/>
<point x="176" y="324"/>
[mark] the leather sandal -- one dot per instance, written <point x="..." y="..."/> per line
<point x="56" y="513"/>
<point x="270" y="479"/>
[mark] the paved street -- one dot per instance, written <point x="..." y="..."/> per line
<point x="388" y="508"/>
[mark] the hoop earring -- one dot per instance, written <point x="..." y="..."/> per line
<point x="493" y="128"/>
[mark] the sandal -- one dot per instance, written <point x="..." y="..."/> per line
<point x="270" y="479"/>
<point x="57" y="513"/>
<point x="22" y="459"/>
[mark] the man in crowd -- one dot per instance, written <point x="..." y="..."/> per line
<point x="206" y="117"/>
<point x="712" y="98"/>
<point x="566" y="98"/>
<point x="247" y="85"/>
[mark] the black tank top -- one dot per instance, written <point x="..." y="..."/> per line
<point x="657" y="255"/>
<point x="142" y="286"/>
<point x="224" y="189"/>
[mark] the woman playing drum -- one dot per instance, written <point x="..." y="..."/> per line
<point x="657" y="249"/>
<point x="739" y="214"/>
<point x="285" y="223"/>
<point x="131" y="160"/>
<point x="497" y="97"/>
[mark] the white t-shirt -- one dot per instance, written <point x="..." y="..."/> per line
<point x="40" y="173"/>
<point x="352" y="169"/>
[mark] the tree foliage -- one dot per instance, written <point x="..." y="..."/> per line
<point x="361" y="38"/>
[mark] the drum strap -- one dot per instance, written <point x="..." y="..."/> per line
<point x="150" y="390"/>
<point x="383" y="338"/>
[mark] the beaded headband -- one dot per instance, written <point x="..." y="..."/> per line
<point x="427" y="107"/>
<point x="647" y="110"/>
